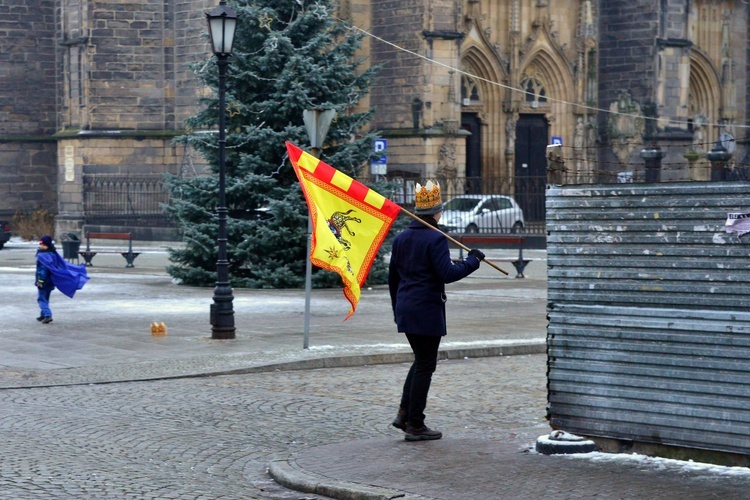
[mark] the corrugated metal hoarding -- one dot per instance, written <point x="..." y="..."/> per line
<point x="649" y="314"/>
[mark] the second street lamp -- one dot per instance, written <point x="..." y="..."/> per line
<point x="222" y="22"/>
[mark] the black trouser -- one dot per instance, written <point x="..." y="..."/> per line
<point x="417" y="384"/>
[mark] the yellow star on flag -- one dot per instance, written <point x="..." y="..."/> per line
<point x="333" y="253"/>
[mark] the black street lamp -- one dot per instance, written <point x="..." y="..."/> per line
<point x="222" y="22"/>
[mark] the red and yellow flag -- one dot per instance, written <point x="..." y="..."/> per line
<point x="350" y="221"/>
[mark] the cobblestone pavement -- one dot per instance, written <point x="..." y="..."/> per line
<point x="215" y="437"/>
<point x="93" y="406"/>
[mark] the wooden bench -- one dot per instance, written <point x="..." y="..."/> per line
<point x="482" y="240"/>
<point x="129" y="255"/>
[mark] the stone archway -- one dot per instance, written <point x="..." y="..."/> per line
<point x="480" y="111"/>
<point x="704" y="100"/>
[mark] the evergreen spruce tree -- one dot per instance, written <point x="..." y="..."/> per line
<point x="288" y="56"/>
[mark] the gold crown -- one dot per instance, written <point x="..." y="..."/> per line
<point x="427" y="196"/>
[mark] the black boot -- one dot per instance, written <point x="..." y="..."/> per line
<point x="422" y="433"/>
<point x="400" y="421"/>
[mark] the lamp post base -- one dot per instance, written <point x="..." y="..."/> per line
<point x="222" y="318"/>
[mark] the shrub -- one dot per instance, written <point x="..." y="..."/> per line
<point x="34" y="225"/>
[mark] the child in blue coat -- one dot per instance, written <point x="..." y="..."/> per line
<point x="52" y="271"/>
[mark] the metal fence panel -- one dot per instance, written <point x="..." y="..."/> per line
<point x="649" y="318"/>
<point x="527" y="193"/>
<point x="137" y="200"/>
<point x="125" y="200"/>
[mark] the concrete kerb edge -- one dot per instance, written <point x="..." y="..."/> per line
<point x="289" y="475"/>
<point x="318" y="363"/>
<point x="395" y="358"/>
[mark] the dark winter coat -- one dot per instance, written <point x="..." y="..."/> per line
<point x="43" y="276"/>
<point x="420" y="267"/>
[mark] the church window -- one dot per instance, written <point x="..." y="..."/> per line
<point x="470" y="89"/>
<point x="534" y="89"/>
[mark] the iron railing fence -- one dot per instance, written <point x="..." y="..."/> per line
<point x="137" y="201"/>
<point x="125" y="200"/>
<point x="490" y="205"/>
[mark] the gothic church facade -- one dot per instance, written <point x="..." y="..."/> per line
<point x="468" y="89"/>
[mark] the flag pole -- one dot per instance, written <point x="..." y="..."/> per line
<point x="450" y="238"/>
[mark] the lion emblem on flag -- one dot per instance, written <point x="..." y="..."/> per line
<point x="338" y="222"/>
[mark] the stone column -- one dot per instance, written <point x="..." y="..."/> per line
<point x="70" y="189"/>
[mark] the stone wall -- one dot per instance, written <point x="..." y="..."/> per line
<point x="27" y="177"/>
<point x="131" y="52"/>
<point x="675" y="60"/>
<point x="27" y="106"/>
<point x="627" y="52"/>
<point x="106" y="154"/>
<point x="418" y="102"/>
<point x="400" y="77"/>
<point x="102" y="90"/>
<point x="627" y="31"/>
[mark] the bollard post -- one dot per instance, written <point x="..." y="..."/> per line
<point x="652" y="162"/>
<point x="718" y="156"/>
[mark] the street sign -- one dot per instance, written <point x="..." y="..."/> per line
<point x="379" y="166"/>
<point x="380" y="146"/>
<point x="556" y="140"/>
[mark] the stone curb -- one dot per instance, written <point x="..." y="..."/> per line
<point x="48" y="378"/>
<point x="391" y="358"/>
<point x="289" y="475"/>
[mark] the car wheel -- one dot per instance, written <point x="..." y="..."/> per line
<point x="516" y="227"/>
<point x="472" y="228"/>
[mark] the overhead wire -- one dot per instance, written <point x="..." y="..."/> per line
<point x="680" y="123"/>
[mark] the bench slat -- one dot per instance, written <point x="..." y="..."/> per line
<point x="481" y="239"/>
<point x="129" y="255"/>
<point x="111" y="236"/>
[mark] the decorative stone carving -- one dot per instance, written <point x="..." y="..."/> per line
<point x="625" y="126"/>
<point x="447" y="162"/>
<point x="699" y="137"/>
<point x="450" y="127"/>
<point x="578" y="136"/>
<point x="592" y="132"/>
<point x="510" y="135"/>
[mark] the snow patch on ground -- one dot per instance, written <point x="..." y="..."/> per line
<point x="443" y="345"/>
<point x="661" y="464"/>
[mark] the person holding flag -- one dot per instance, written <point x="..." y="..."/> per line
<point x="419" y="268"/>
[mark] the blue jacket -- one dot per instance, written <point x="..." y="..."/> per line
<point x="420" y="267"/>
<point x="42" y="272"/>
<point x="55" y="272"/>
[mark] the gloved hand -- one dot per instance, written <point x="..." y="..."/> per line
<point x="40" y="284"/>
<point x="476" y="253"/>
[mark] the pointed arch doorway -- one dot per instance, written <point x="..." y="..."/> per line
<point x="471" y="123"/>
<point x="532" y="137"/>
